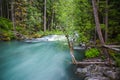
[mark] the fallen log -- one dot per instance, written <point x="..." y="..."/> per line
<point x="101" y="63"/>
<point x="113" y="47"/>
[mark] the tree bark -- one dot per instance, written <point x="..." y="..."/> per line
<point x="98" y="29"/>
<point x="70" y="45"/>
<point x="98" y="1"/>
<point x="12" y="14"/>
<point x="8" y="16"/>
<point x="97" y="22"/>
<point x="106" y="21"/>
<point x="1" y="9"/>
<point x="44" y="15"/>
<point x="113" y="47"/>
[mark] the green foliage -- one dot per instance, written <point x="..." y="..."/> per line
<point x="114" y="20"/>
<point x="83" y="19"/>
<point x="91" y="53"/>
<point x="102" y="26"/>
<point x="118" y="38"/>
<point x="116" y="56"/>
<point x="57" y="32"/>
<point x="20" y="12"/>
<point x="33" y="17"/>
<point x="6" y="29"/>
<point x="19" y="28"/>
<point x="117" y="59"/>
<point x="6" y="35"/>
<point x="5" y="24"/>
<point x="74" y="16"/>
<point x="103" y="57"/>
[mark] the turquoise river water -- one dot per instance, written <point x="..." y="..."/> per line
<point x="20" y="60"/>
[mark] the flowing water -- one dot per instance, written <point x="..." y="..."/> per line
<point x="36" y="61"/>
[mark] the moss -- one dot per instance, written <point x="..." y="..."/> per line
<point x="36" y="35"/>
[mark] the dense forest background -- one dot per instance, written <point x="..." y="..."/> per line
<point x="20" y="19"/>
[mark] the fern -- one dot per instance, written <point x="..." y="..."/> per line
<point x="5" y="24"/>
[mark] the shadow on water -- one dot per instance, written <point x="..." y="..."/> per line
<point x="36" y="61"/>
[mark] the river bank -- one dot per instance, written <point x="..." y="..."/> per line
<point x="98" y="71"/>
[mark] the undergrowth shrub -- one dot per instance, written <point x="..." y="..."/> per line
<point x="116" y="57"/>
<point x="91" y="53"/>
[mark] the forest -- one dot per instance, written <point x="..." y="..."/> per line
<point x="39" y="16"/>
<point x="92" y="24"/>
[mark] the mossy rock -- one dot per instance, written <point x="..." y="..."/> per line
<point x="6" y="39"/>
<point x="36" y="35"/>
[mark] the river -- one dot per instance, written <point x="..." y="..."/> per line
<point x="43" y="60"/>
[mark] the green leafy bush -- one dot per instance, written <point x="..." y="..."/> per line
<point x="91" y="53"/>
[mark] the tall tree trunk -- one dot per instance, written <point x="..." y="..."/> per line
<point x="8" y="10"/>
<point x="98" y="1"/>
<point x="12" y="14"/>
<point x="1" y="9"/>
<point x="106" y="21"/>
<point x="44" y="15"/>
<point x="98" y="29"/>
<point x="97" y="22"/>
